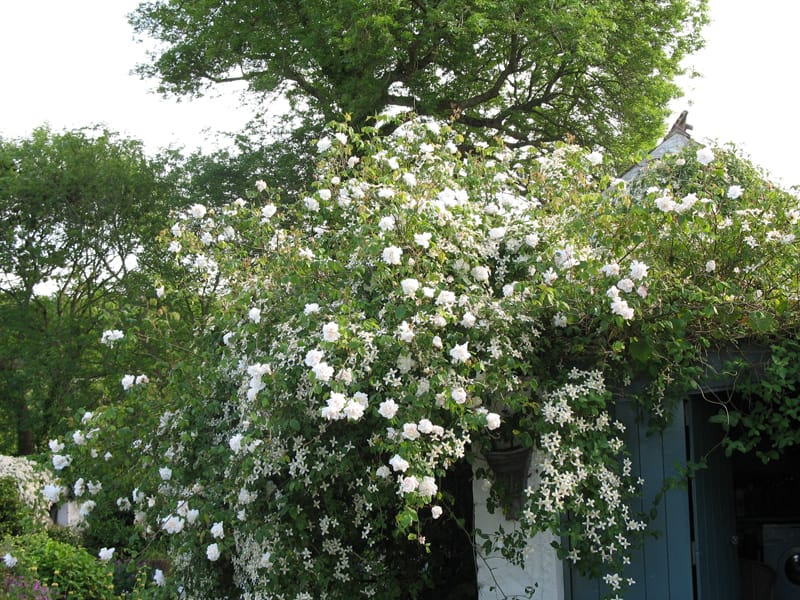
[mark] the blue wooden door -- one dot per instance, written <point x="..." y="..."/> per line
<point x="662" y="568"/>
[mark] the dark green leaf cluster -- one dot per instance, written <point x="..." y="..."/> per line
<point x="11" y="508"/>
<point x="602" y="71"/>
<point x="74" y="207"/>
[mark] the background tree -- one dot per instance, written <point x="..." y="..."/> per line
<point x="600" y="71"/>
<point x="80" y="214"/>
<point x="228" y="173"/>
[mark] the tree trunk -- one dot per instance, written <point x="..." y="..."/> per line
<point x="24" y="442"/>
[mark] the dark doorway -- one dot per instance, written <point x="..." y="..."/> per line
<point x="768" y="523"/>
<point x="745" y="517"/>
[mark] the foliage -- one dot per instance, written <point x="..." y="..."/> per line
<point x="225" y="175"/>
<point x="527" y="71"/>
<point x="64" y="569"/>
<point x="416" y="306"/>
<point x="65" y="535"/>
<point x="22" y="483"/>
<point x="79" y="210"/>
<point x="763" y="414"/>
<point x="22" y="588"/>
<point x="11" y="508"/>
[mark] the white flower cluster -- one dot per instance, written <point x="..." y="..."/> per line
<point x="593" y="491"/>
<point x="128" y="381"/>
<point x="30" y="480"/>
<point x="406" y="289"/>
<point x="110" y="336"/>
<point x="619" y="306"/>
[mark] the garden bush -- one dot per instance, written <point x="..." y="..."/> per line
<point x="418" y="305"/>
<point x="11" y="508"/>
<point x="68" y="572"/>
<point x="24" y="507"/>
<point x="23" y="588"/>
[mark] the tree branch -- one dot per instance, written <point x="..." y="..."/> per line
<point x="497" y="86"/>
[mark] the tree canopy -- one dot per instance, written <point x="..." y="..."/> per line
<point x="80" y="211"/>
<point x="600" y="71"/>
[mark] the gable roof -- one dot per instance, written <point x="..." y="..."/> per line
<point x="676" y="140"/>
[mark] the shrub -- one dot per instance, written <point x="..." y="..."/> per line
<point x="28" y="479"/>
<point x="19" y="587"/>
<point x="11" y="508"/>
<point x="416" y="306"/>
<point x="62" y="567"/>
<point x="65" y="535"/>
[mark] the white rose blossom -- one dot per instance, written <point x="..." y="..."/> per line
<point x="388" y="408"/>
<point x="392" y="255"/>
<point x="423" y="239"/>
<point x="387" y="223"/>
<point x="735" y="192"/>
<point x="480" y="274"/>
<point x="323" y="371"/>
<point x="267" y="212"/>
<point x="408" y="484"/>
<point x="595" y="158"/>
<point x="330" y="332"/>
<point x="492" y="420"/>
<point x="705" y="156"/>
<point x="398" y="463"/>
<point x="459" y="395"/>
<point x="173" y="524"/>
<point x="105" y="554"/>
<point x="638" y="270"/>
<point x="314" y="357"/>
<point x="353" y="410"/>
<point x="61" y="462"/>
<point x="410" y="286"/>
<point x="198" y="211"/>
<point x="427" y="487"/>
<point x="52" y="492"/>
<point x="410" y="431"/>
<point x="212" y="552"/>
<point x="460" y="353"/>
<point x="323" y="144"/>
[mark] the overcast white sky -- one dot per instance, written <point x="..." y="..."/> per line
<point x="68" y="63"/>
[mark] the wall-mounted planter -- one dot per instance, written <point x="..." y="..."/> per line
<point x="510" y="468"/>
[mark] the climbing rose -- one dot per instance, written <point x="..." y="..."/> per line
<point x="705" y="156"/>
<point x="212" y="552"/>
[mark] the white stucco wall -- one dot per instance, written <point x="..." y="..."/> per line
<point x="497" y="578"/>
<point x="69" y="514"/>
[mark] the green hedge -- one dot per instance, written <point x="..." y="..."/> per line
<point x="70" y="571"/>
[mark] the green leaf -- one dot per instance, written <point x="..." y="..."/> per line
<point x="640" y="350"/>
<point x="762" y="322"/>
